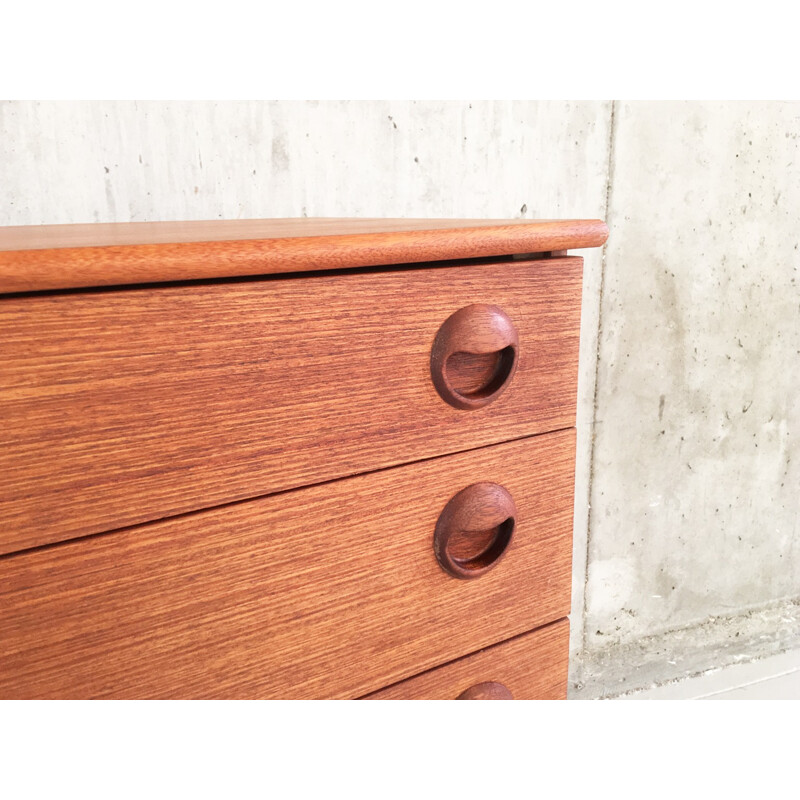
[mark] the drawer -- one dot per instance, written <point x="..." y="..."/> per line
<point x="331" y="591"/>
<point x="530" y="667"/>
<point x="121" y="407"/>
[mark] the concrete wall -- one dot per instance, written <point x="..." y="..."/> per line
<point x="694" y="546"/>
<point x="687" y="552"/>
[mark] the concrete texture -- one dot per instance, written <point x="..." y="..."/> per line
<point x="696" y="465"/>
<point x="667" y="659"/>
<point x="687" y="548"/>
<point x="772" y="678"/>
<point x="129" y="161"/>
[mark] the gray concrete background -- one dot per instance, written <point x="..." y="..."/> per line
<point x="687" y="548"/>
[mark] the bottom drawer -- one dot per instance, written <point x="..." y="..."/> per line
<point x="530" y="667"/>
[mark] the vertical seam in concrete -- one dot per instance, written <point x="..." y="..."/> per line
<point x="589" y="484"/>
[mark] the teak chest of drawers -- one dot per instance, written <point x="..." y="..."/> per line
<point x="288" y="459"/>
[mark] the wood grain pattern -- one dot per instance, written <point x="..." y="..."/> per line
<point x="532" y="667"/>
<point x="474" y="530"/>
<point x="475" y="330"/>
<point x="34" y="258"/>
<point x="331" y="591"/>
<point x="127" y="406"/>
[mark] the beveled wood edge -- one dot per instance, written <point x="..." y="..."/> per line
<point x="198" y="252"/>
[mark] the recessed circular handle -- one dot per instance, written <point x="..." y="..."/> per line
<point x="474" y="530"/>
<point x="486" y="691"/>
<point x="474" y="356"/>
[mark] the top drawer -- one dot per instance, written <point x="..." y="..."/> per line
<point x="125" y="406"/>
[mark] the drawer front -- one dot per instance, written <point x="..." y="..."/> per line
<point x="530" y="667"/>
<point x="121" y="407"/>
<point x="329" y="591"/>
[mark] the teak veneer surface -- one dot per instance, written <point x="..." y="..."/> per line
<point x="121" y="407"/>
<point x="532" y="667"/>
<point x="331" y="591"/>
<point x="34" y="258"/>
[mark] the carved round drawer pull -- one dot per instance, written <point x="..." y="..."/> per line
<point x="486" y="691"/>
<point x="474" y="530"/>
<point x="474" y="356"/>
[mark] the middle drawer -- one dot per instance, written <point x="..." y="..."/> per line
<point x="121" y="407"/>
<point x="330" y="591"/>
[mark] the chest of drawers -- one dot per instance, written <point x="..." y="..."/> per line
<point x="288" y="459"/>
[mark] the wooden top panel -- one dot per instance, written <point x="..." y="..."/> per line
<point x="45" y="257"/>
